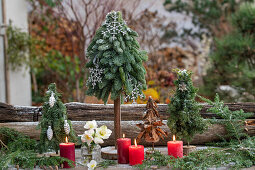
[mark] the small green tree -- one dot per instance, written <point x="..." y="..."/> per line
<point x="115" y="64"/>
<point x="185" y="120"/>
<point x="54" y="124"/>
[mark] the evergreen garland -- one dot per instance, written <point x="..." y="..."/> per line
<point x="19" y="150"/>
<point x="233" y="121"/>
<point x="53" y="116"/>
<point x="185" y="119"/>
<point x="8" y="135"/>
<point x="107" y="163"/>
<point x="235" y="156"/>
<point x="115" y="61"/>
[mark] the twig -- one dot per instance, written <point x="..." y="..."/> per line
<point x="2" y="143"/>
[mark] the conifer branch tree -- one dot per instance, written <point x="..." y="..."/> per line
<point x="54" y="124"/>
<point x="185" y="120"/>
<point x="115" y="63"/>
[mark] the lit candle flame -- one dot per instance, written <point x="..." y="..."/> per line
<point x="66" y="140"/>
<point x="173" y="137"/>
<point x="124" y="135"/>
<point x="135" y="143"/>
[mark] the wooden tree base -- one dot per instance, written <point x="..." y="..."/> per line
<point x="188" y="149"/>
<point x="109" y="153"/>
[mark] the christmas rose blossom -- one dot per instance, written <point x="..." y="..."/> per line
<point x="92" y="165"/>
<point x="91" y="125"/>
<point x="87" y="136"/>
<point x="97" y="139"/>
<point x="103" y="132"/>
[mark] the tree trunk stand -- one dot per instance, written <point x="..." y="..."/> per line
<point x="188" y="149"/>
<point x="117" y="119"/>
<point x="111" y="152"/>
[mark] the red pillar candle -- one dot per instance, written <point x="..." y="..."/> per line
<point x="175" y="148"/>
<point x="122" y="150"/>
<point x="136" y="154"/>
<point x="67" y="150"/>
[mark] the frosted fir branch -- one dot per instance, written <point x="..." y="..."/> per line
<point x="181" y="72"/>
<point x="113" y="27"/>
<point x="95" y="76"/>
<point x="135" y="94"/>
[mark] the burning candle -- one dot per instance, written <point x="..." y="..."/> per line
<point x="175" y="148"/>
<point x="122" y="150"/>
<point x="67" y="150"/>
<point x="136" y="154"/>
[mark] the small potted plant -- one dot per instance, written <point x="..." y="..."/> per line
<point x="92" y="137"/>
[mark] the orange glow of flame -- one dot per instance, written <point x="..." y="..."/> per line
<point x="135" y="143"/>
<point x="124" y="135"/>
<point x="66" y="140"/>
<point x="173" y="137"/>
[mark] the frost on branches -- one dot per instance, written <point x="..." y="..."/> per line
<point x="115" y="61"/>
<point x="113" y="27"/>
<point x="134" y="94"/>
<point x="95" y="75"/>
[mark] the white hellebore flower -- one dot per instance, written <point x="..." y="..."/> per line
<point x="98" y="139"/>
<point x="92" y="165"/>
<point x="91" y="125"/>
<point x="103" y="132"/>
<point x="87" y="136"/>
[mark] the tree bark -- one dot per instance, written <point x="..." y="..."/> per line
<point x="117" y="120"/>
<point x="34" y="82"/>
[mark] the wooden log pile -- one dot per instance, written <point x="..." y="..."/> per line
<point x="84" y="112"/>
<point x="25" y="119"/>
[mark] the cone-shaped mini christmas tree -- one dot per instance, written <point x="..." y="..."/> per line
<point x="115" y="64"/>
<point x="54" y="124"/>
<point x="185" y="120"/>
<point x="150" y="129"/>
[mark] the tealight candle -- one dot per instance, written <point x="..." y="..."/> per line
<point x="136" y="154"/>
<point x="175" y="148"/>
<point x="122" y="150"/>
<point x="67" y="150"/>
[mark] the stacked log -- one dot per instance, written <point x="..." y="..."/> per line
<point x="25" y="119"/>
<point x="85" y="112"/>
